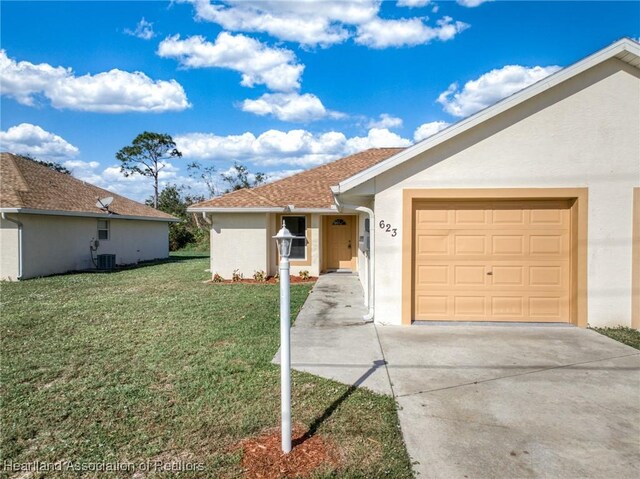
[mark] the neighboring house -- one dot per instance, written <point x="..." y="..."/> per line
<point x="49" y="221"/>
<point x="528" y="210"/>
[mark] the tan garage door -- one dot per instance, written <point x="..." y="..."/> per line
<point x="492" y="261"/>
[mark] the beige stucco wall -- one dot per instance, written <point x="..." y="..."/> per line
<point x="239" y="241"/>
<point x="582" y="133"/>
<point x="244" y="241"/>
<point x="9" y="250"/>
<point x="57" y="244"/>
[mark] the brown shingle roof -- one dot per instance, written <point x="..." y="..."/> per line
<point x="309" y="189"/>
<point x="27" y="185"/>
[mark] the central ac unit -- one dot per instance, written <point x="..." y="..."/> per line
<point x="106" y="261"/>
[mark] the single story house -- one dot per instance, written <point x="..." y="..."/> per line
<point x="52" y="223"/>
<point x="528" y="210"/>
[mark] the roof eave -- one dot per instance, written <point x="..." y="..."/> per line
<point x="240" y="209"/>
<point x="86" y="214"/>
<point x="560" y="76"/>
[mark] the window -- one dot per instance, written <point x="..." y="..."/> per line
<point x="297" y="225"/>
<point x="103" y="229"/>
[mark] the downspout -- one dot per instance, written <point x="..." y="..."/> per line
<point x="371" y="271"/>
<point x="209" y="221"/>
<point x="5" y="217"/>
<point x="206" y="218"/>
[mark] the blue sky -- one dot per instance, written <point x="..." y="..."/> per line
<point x="278" y="86"/>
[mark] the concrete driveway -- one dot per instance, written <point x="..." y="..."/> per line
<point x="484" y="401"/>
<point x="516" y="401"/>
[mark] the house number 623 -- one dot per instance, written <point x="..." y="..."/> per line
<point x="388" y="229"/>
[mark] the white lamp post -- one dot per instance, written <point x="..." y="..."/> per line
<point x="284" y="239"/>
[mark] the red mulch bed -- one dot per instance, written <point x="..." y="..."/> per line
<point x="269" y="280"/>
<point x="263" y="457"/>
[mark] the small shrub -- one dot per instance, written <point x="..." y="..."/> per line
<point x="260" y="276"/>
<point x="304" y="274"/>
<point x="236" y="277"/>
<point x="217" y="278"/>
<point x="179" y="236"/>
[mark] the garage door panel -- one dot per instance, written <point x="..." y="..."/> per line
<point x="493" y="261"/>
<point x="433" y="244"/>
<point x="469" y="275"/>
<point x="432" y="217"/>
<point x="433" y="306"/>
<point x="546" y="308"/>
<point x="470" y="244"/>
<point x="548" y="245"/>
<point x="431" y="275"/>
<point x="548" y="276"/>
<point x="469" y="306"/>
<point x="508" y="275"/>
<point x="548" y="217"/>
<point x="464" y="217"/>
<point x="514" y="217"/>
<point x="507" y="306"/>
<point x="507" y="244"/>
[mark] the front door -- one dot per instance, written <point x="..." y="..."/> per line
<point x="339" y="247"/>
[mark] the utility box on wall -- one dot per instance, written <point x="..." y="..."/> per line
<point x="364" y="239"/>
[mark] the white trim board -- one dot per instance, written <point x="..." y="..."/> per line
<point x="82" y="214"/>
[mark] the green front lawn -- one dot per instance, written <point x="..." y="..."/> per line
<point x="628" y="336"/>
<point x="153" y="364"/>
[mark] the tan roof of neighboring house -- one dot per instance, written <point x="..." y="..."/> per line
<point x="309" y="189"/>
<point x="27" y="185"/>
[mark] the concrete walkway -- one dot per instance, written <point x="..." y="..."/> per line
<point x="484" y="401"/>
<point x="330" y="338"/>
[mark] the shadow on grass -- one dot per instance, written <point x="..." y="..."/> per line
<point x="173" y="258"/>
<point x="336" y="404"/>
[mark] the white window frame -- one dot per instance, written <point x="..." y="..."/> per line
<point x="306" y="241"/>
<point x="107" y="229"/>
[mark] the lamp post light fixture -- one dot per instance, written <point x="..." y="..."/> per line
<point x="284" y="240"/>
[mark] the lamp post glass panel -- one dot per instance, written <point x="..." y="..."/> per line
<point x="284" y="240"/>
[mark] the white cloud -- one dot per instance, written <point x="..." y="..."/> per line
<point x="471" y="3"/>
<point x="376" y="138"/>
<point x="490" y="88"/>
<point x="386" y="121"/>
<point x="84" y="170"/>
<point x="274" y="147"/>
<point x="306" y="22"/>
<point x="429" y="129"/>
<point x="278" y="175"/>
<point x="323" y="23"/>
<point x="143" y="30"/>
<point x="289" y="107"/>
<point x="413" y="3"/>
<point x="380" y="33"/>
<point x="83" y="165"/>
<point x="277" y="68"/>
<point x="115" y="91"/>
<point x="28" y="139"/>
